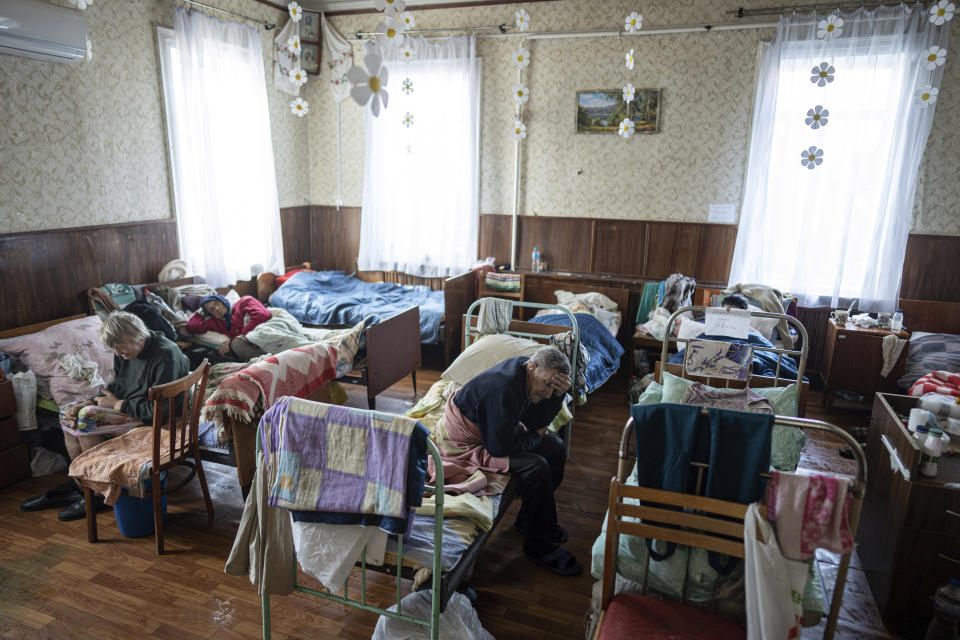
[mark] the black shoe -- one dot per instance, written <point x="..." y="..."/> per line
<point x="78" y="509"/>
<point x="60" y="496"/>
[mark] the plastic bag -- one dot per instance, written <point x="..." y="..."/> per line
<point x="774" y="585"/>
<point x="457" y="622"/>
<point x="25" y="390"/>
<point x="45" y="462"/>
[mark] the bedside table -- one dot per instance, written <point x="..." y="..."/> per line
<point x="14" y="462"/>
<point x="852" y="359"/>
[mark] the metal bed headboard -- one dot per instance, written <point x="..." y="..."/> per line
<point x="800" y="353"/>
<point x="469" y="330"/>
<point x="858" y="491"/>
<point x="433" y="624"/>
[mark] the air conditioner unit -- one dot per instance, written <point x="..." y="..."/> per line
<point x="37" y="29"/>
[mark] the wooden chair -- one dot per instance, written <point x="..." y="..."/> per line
<point x="640" y="616"/>
<point x="179" y="431"/>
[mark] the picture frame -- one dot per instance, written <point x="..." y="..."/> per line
<point x="310" y="58"/>
<point x="602" y="110"/>
<point x="310" y="27"/>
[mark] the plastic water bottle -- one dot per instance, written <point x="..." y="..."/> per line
<point x="896" y="322"/>
<point x="536" y="260"/>
<point x="946" y="612"/>
<point x="930" y="456"/>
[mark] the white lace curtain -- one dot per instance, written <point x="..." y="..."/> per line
<point x="420" y="183"/>
<point x="851" y="98"/>
<point x="225" y="187"/>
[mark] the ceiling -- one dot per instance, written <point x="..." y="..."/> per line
<point x="354" y="5"/>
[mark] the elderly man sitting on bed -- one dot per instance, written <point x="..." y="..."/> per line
<point x="510" y="405"/>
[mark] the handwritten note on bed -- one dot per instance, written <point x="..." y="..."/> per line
<point x="734" y="323"/>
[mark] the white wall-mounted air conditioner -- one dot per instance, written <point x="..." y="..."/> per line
<point x="37" y="29"/>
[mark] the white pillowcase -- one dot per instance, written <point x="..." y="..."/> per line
<point x="566" y="298"/>
<point x="763" y="326"/>
<point x="690" y="328"/>
<point x="486" y="352"/>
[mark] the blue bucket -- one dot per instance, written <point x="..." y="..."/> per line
<point x="135" y="515"/>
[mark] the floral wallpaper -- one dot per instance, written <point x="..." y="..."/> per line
<point x="85" y="144"/>
<point x="698" y="158"/>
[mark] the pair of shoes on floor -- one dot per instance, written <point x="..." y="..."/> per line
<point x="559" y="536"/>
<point x="559" y="560"/>
<point x="60" y="496"/>
<point x="78" y="509"/>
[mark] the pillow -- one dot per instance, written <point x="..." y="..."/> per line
<point x="281" y="279"/>
<point x="786" y="442"/>
<point x="652" y="394"/>
<point x="566" y="298"/>
<point x="690" y="328"/>
<point x="763" y="326"/>
<point x="486" y="352"/>
<point x="40" y="352"/>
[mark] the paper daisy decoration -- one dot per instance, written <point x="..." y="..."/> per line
<point x="628" y="93"/>
<point x="811" y="157"/>
<point x="369" y="83"/>
<point x="934" y="57"/>
<point x="520" y="94"/>
<point x="942" y="12"/>
<point x="408" y="120"/>
<point x="523" y="20"/>
<point x="300" y="107"/>
<point x="390" y="7"/>
<point x="296" y="12"/>
<point x="627" y="127"/>
<point x="630" y="59"/>
<point x="406" y="51"/>
<point x="633" y="23"/>
<point x="293" y="44"/>
<point x="519" y="130"/>
<point x="816" y="117"/>
<point x="407" y="86"/>
<point x="830" y="28"/>
<point x="390" y="32"/>
<point x="521" y="58"/>
<point x="81" y="4"/>
<point x="407" y="19"/>
<point x="89" y="50"/>
<point x="928" y="95"/>
<point x="297" y="76"/>
<point x="822" y="74"/>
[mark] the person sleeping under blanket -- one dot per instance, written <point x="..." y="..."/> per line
<point x="216" y="314"/>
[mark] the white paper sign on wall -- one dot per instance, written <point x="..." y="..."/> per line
<point x="722" y="214"/>
<point x="733" y="323"/>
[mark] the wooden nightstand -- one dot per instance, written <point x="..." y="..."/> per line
<point x="852" y="359"/>
<point x="14" y="462"/>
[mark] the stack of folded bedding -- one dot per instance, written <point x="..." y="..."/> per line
<point x="503" y="281"/>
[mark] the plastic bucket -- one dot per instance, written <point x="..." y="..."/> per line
<point x="135" y="515"/>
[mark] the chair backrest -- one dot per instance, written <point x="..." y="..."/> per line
<point x="176" y="416"/>
<point x="711" y="524"/>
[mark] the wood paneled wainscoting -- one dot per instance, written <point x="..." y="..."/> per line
<point x="46" y="274"/>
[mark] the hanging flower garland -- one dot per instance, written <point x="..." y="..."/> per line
<point x="81" y="4"/>
<point x="408" y="120"/>
<point x="296" y="11"/>
<point x="811" y="158"/>
<point x="89" y="49"/>
<point x="934" y="57"/>
<point x="519" y="130"/>
<point x="928" y="95"/>
<point x="369" y="83"/>
<point x="521" y="94"/>
<point x="390" y="7"/>
<point x="299" y="107"/>
<point x="629" y="58"/>
<point x="523" y="20"/>
<point x="942" y="12"/>
<point x="631" y="24"/>
<point x="390" y="32"/>
<point x="407" y="86"/>
<point x="830" y="28"/>
<point x="816" y="117"/>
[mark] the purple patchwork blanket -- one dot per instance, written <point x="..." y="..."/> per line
<point x="321" y="457"/>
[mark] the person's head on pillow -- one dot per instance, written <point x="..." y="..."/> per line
<point x="735" y="301"/>
<point x="579" y="307"/>
<point x="217" y="306"/>
<point x="124" y="333"/>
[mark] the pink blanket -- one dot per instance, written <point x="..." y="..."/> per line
<point x="467" y="466"/>
<point x="811" y="512"/>
<point x="295" y="372"/>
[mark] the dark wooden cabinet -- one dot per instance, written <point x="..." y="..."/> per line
<point x="853" y="358"/>
<point x="14" y="463"/>
<point x="909" y="532"/>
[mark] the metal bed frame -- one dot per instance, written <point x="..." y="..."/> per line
<point x="800" y="353"/>
<point x="858" y="491"/>
<point x="443" y="584"/>
<point x="433" y="624"/>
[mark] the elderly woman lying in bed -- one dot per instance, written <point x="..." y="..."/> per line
<point x="234" y="321"/>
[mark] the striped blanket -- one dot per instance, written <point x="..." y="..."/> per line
<point x="937" y="382"/>
<point x="503" y="281"/>
<point x="296" y="372"/>
<point x="321" y="457"/>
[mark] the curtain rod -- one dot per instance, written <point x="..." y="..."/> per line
<point x="266" y="25"/>
<point x="768" y="11"/>
<point x="360" y="36"/>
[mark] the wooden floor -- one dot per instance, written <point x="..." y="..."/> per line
<point x="53" y="584"/>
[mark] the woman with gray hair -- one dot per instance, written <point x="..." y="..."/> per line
<point x="142" y="359"/>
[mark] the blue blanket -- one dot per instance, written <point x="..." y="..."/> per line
<point x="603" y="348"/>
<point x="764" y="362"/>
<point x="333" y="297"/>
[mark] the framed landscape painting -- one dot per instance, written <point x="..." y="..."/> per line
<point x="601" y="110"/>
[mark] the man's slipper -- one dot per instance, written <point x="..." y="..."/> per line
<point x="560" y="561"/>
<point x="559" y="536"/>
